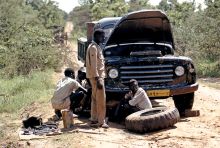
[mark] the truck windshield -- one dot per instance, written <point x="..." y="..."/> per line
<point x="108" y="29"/>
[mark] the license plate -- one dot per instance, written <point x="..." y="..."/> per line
<point x="158" y="93"/>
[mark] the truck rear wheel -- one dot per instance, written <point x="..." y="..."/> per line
<point x="152" y="119"/>
<point x="183" y="102"/>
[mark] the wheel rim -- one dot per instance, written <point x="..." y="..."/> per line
<point x="152" y="112"/>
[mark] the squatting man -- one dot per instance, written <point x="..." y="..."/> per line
<point x="65" y="95"/>
<point x="136" y="99"/>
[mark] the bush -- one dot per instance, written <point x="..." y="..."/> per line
<point x="32" y="50"/>
<point x="26" y="43"/>
<point x="208" y="68"/>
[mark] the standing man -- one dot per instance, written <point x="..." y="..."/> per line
<point x="95" y="72"/>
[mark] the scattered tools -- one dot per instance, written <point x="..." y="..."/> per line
<point x="33" y="129"/>
<point x="41" y="129"/>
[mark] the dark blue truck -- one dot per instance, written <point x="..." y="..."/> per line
<point x="140" y="46"/>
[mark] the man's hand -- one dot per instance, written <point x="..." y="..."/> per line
<point x="82" y="89"/>
<point x="128" y="96"/>
<point x="100" y="83"/>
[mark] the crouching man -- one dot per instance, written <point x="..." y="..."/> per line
<point x="136" y="99"/>
<point x="81" y="78"/>
<point x="65" y="96"/>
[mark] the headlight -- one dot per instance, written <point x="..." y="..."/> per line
<point x="179" y="71"/>
<point x="113" y="73"/>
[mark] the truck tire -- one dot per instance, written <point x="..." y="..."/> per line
<point x="152" y="119"/>
<point x="183" y="102"/>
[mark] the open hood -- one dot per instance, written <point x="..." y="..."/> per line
<point x="142" y="26"/>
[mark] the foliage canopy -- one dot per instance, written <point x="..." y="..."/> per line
<point x="26" y="43"/>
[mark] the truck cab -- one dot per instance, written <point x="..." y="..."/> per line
<point x="140" y="46"/>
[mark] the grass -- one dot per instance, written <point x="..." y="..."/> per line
<point x="21" y="91"/>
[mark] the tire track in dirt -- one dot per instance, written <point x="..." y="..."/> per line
<point x="71" y="50"/>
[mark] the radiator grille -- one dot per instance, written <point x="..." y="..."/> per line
<point x="147" y="74"/>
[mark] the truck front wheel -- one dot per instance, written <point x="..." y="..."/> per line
<point x="183" y="102"/>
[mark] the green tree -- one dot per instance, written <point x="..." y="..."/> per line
<point x="135" y="5"/>
<point x="106" y="8"/>
<point x="164" y="5"/>
<point x="196" y="33"/>
<point x="90" y="10"/>
<point x="212" y="24"/>
<point x="85" y="2"/>
<point x="25" y="42"/>
<point x="177" y="12"/>
<point x="48" y="12"/>
<point x="79" y="15"/>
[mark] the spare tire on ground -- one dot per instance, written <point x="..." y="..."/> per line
<point x="152" y="119"/>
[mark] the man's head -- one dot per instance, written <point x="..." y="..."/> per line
<point x="69" y="73"/>
<point x="82" y="74"/>
<point x="133" y="85"/>
<point x="99" y="36"/>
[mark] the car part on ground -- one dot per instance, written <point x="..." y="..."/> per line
<point x="32" y="122"/>
<point x="192" y="113"/>
<point x="152" y="119"/>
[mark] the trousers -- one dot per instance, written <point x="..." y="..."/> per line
<point x="98" y="103"/>
<point x="123" y="110"/>
<point x="75" y="99"/>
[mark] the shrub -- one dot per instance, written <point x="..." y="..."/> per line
<point x="26" y="43"/>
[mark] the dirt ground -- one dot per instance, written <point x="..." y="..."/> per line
<point x="202" y="131"/>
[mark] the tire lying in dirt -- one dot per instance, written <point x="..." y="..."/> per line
<point x="152" y="119"/>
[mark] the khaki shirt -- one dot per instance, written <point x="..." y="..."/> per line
<point x="95" y="65"/>
<point x="65" y="87"/>
<point x="141" y="100"/>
